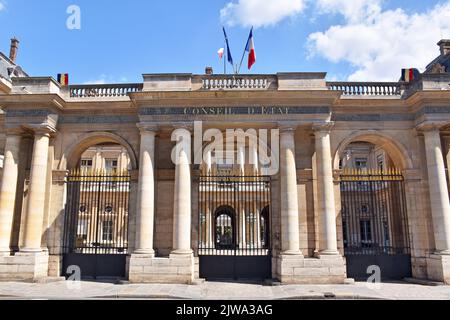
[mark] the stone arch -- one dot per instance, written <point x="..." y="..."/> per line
<point x="228" y="212"/>
<point x="397" y="151"/>
<point x="73" y="153"/>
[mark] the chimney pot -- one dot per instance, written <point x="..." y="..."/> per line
<point x="13" y="50"/>
<point x="209" y="70"/>
<point x="444" y="44"/>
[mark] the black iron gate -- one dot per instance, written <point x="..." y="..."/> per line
<point x="96" y="223"/>
<point x="234" y="227"/>
<point x="375" y="223"/>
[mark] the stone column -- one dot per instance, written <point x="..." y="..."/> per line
<point x="254" y="152"/>
<point x="208" y="163"/>
<point x="8" y="190"/>
<point x="289" y="198"/>
<point x="182" y="193"/>
<point x="241" y="160"/>
<point x="36" y="192"/>
<point x="242" y="229"/>
<point x="146" y="193"/>
<point x="258" y="228"/>
<point x="325" y="191"/>
<point x="208" y="228"/>
<point x="437" y="182"/>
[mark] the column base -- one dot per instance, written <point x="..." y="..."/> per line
<point x="24" y="266"/>
<point x="326" y="253"/>
<point x="148" y="252"/>
<point x="182" y="252"/>
<point x="328" y="269"/>
<point x="178" y="268"/>
<point x="438" y="268"/>
<point x="292" y="253"/>
<point x="31" y="250"/>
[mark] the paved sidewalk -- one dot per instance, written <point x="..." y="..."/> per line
<point x="218" y="291"/>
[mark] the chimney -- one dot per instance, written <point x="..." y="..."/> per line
<point x="444" y="44"/>
<point x="209" y="70"/>
<point x="13" y="50"/>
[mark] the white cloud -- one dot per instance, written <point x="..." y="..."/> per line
<point x="105" y="79"/>
<point x="378" y="43"/>
<point x="100" y="80"/>
<point x="260" y="13"/>
<point x="2" y="6"/>
<point x="352" y="10"/>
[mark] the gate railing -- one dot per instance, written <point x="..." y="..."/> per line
<point x="234" y="215"/>
<point x="96" y="214"/>
<point x="374" y="214"/>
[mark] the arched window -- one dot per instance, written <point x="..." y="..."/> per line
<point x="225" y="228"/>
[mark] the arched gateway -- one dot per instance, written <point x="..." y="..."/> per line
<point x="123" y="172"/>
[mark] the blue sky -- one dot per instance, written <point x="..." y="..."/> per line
<point x="120" y="40"/>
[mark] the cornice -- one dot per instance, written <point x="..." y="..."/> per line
<point x="24" y="101"/>
<point x="433" y="97"/>
<point x="272" y="97"/>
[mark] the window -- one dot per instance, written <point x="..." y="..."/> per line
<point x="2" y="159"/>
<point x="86" y="164"/>
<point x="344" y="233"/>
<point x="107" y="230"/>
<point x="111" y="165"/>
<point x="361" y="163"/>
<point x="341" y="164"/>
<point x="364" y="209"/>
<point x="82" y="229"/>
<point x="380" y="162"/>
<point x="366" y="232"/>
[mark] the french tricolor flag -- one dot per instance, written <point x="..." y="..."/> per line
<point x="250" y="48"/>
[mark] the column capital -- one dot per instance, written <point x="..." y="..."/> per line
<point x="323" y="127"/>
<point x="145" y="128"/>
<point x="189" y="126"/>
<point x="43" y="130"/>
<point x="287" y="128"/>
<point x="429" y="126"/>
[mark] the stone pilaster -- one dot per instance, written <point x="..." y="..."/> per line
<point x="179" y="267"/>
<point x="182" y="193"/>
<point x="290" y="240"/>
<point x="146" y="193"/>
<point x="37" y="188"/>
<point x="8" y="189"/>
<point x="325" y="191"/>
<point x="437" y="182"/>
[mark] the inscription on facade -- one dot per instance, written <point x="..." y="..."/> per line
<point x="231" y="110"/>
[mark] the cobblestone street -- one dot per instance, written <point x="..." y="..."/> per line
<point x="219" y="291"/>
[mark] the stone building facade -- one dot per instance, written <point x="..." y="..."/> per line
<point x="48" y="131"/>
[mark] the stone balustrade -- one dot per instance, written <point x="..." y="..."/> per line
<point x="367" y="88"/>
<point x="104" y="90"/>
<point x="236" y="82"/>
<point x="239" y="82"/>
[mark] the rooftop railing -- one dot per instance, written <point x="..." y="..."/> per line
<point x="236" y="82"/>
<point x="367" y="88"/>
<point x="104" y="90"/>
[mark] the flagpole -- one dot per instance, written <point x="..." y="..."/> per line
<point x="243" y="55"/>
<point x="225" y="60"/>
